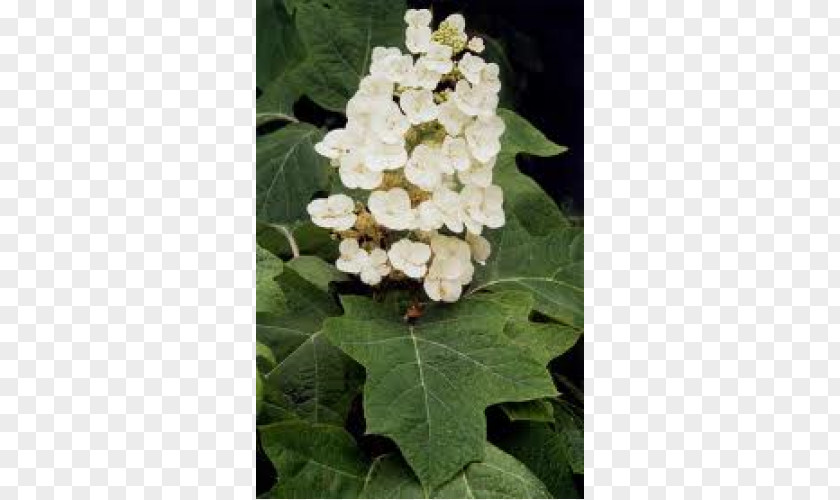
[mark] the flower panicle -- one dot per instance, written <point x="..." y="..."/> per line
<point x="422" y="137"/>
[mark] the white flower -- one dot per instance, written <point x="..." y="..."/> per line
<point x="452" y="118"/>
<point x="352" y="257"/>
<point x="448" y="204"/>
<point x="389" y="124"/>
<point x="419" y="105"/>
<point x="457" y="21"/>
<point x="456" y="156"/>
<point x="390" y="63"/>
<point x="482" y="206"/>
<point x="418" y="17"/>
<point x="375" y="267"/>
<point x="376" y="86"/>
<point x="471" y="67"/>
<point x="476" y="44"/>
<point x="483" y="136"/>
<point x="455" y="249"/>
<point x="392" y="209"/>
<point x="475" y="100"/>
<point x="479" y="174"/>
<point x="429" y="217"/>
<point x="453" y="177"/>
<point x="490" y="77"/>
<point x="335" y="143"/>
<point x="417" y="39"/>
<point x="354" y="174"/>
<point x="381" y="156"/>
<point x="423" y="168"/>
<point x="438" y="58"/>
<point x="422" y="77"/>
<point x="439" y="289"/>
<point x="335" y="212"/>
<point x="410" y="257"/>
<point x="450" y="269"/>
<point x="479" y="246"/>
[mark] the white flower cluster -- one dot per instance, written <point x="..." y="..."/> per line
<point x="422" y="135"/>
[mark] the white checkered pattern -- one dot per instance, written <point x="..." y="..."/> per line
<point x="713" y="130"/>
<point x="126" y="240"/>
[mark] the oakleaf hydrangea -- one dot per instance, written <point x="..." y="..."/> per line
<point x="421" y="139"/>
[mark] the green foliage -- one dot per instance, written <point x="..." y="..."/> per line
<point x="335" y="370"/>
<point x="279" y="51"/>
<point x="320" y="49"/>
<point x="542" y="450"/>
<point x="312" y="379"/>
<point x="339" y="37"/>
<point x="270" y="298"/>
<point x="428" y="383"/>
<point x="325" y="459"/>
<point x="289" y="173"/>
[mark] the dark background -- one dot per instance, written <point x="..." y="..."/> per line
<point x="543" y="40"/>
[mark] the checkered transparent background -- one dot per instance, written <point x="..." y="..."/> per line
<point x="712" y="254"/>
<point x="126" y="239"/>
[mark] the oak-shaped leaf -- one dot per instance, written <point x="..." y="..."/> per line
<point x="428" y="382"/>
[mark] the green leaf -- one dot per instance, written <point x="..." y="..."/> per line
<point x="270" y="298"/>
<point x="570" y="427"/>
<point x="428" y="383"/>
<point x="312" y="378"/>
<point x="522" y="137"/>
<point x="545" y="341"/>
<point x="279" y="50"/>
<point x="537" y="410"/>
<point x="289" y="173"/>
<point x="316" y="271"/>
<point x="498" y="476"/>
<point x="524" y="199"/>
<point x="549" y="267"/>
<point x="321" y="461"/>
<point x="541" y="449"/>
<point x="313" y="461"/>
<point x="339" y="37"/>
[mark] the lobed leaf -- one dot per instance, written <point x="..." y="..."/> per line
<point x="428" y="383"/>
